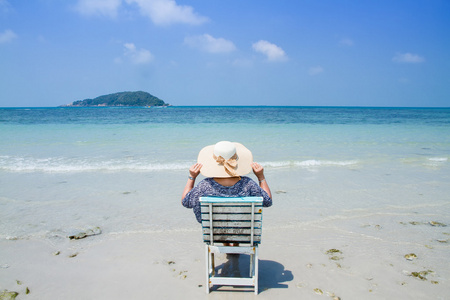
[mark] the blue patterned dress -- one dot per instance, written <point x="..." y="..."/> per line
<point x="245" y="187"/>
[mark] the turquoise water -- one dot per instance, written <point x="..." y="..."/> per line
<point x="96" y="139"/>
<point x="124" y="168"/>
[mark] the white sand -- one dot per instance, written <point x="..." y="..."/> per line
<point x="170" y="265"/>
<point x="371" y="218"/>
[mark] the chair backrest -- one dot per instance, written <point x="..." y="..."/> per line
<point x="231" y="220"/>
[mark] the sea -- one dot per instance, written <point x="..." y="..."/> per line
<point x="123" y="169"/>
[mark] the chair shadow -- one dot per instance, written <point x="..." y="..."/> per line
<point x="272" y="274"/>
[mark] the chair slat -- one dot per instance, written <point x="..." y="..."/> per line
<point x="231" y="217"/>
<point x="232" y="230"/>
<point x="232" y="209"/>
<point x="232" y="238"/>
<point x="236" y="223"/>
<point x="221" y="200"/>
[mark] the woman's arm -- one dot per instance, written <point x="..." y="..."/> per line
<point x="193" y="173"/>
<point x="259" y="172"/>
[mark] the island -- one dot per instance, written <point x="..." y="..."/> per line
<point x="121" y="99"/>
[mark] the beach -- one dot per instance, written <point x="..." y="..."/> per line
<point x="361" y="202"/>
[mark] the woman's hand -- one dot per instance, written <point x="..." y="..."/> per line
<point x="193" y="173"/>
<point x="195" y="170"/>
<point x="258" y="170"/>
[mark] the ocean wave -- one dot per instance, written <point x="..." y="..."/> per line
<point x="433" y="162"/>
<point x="63" y="165"/>
<point x="438" y="159"/>
<point x="309" y="163"/>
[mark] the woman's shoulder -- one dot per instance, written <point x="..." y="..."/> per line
<point x="206" y="181"/>
<point x="247" y="180"/>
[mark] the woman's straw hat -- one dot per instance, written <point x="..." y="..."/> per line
<point x="225" y="159"/>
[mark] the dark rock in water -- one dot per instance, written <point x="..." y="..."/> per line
<point x="333" y="251"/>
<point x="415" y="223"/>
<point x="86" y="233"/>
<point x="410" y="256"/>
<point x="8" y="295"/>
<point x="422" y="275"/>
<point x="437" y="224"/>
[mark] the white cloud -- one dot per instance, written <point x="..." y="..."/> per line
<point x="346" y="42"/>
<point x="210" y="44"/>
<point x="166" y="12"/>
<point x="98" y="7"/>
<point x="315" y="70"/>
<point x="408" y="58"/>
<point x="272" y="51"/>
<point x="7" y="36"/>
<point x="136" y="56"/>
<point x="161" y="12"/>
<point x="5" y="7"/>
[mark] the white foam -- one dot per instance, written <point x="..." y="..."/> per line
<point x="314" y="163"/>
<point x="309" y="163"/>
<point x="63" y="165"/>
<point x="100" y="164"/>
<point x="438" y="159"/>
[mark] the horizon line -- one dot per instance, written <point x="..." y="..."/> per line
<point x="287" y="106"/>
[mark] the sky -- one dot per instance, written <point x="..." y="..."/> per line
<point x="234" y="52"/>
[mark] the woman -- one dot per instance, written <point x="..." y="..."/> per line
<point x="224" y="165"/>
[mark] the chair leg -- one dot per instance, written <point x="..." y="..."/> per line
<point x="213" y="265"/>
<point x="256" y="270"/>
<point x="251" y="265"/>
<point x="207" y="268"/>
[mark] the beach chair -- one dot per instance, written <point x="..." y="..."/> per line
<point x="226" y="222"/>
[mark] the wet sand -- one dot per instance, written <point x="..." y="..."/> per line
<point x="306" y="263"/>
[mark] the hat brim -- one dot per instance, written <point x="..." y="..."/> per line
<point x="211" y="168"/>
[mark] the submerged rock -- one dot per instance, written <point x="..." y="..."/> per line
<point x="437" y="224"/>
<point x="335" y="254"/>
<point x="335" y="257"/>
<point x="415" y="223"/>
<point x="422" y="275"/>
<point x="410" y="256"/>
<point x="86" y="233"/>
<point x="333" y="251"/>
<point x="318" y="291"/>
<point x="8" y="295"/>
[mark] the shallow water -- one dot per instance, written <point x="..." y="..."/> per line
<point x="124" y="169"/>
